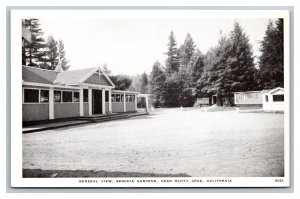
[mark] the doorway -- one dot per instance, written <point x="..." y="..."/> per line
<point x="97" y="101"/>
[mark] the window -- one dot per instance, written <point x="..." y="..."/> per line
<point x="85" y="95"/>
<point x="133" y="98"/>
<point x="57" y="96"/>
<point x="67" y="96"/>
<point x="267" y="98"/>
<point x="278" y="98"/>
<point x="122" y="98"/>
<point x="31" y="96"/>
<point x="130" y="98"/>
<point x="44" y="96"/>
<point x="106" y="96"/>
<point x="76" y="97"/>
<point x="127" y="98"/>
<point x="118" y="98"/>
<point x="113" y="97"/>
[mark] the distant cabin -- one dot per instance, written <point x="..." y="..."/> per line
<point x="273" y="99"/>
<point x="270" y="100"/>
<point x="49" y="94"/>
<point x="248" y="98"/>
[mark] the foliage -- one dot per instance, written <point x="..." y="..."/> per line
<point x="172" y="62"/>
<point x="42" y="54"/>
<point x="122" y="82"/>
<point x="157" y="85"/>
<point x="271" y="72"/>
<point x="32" y="53"/>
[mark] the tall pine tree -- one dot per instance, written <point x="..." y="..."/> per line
<point x="157" y="85"/>
<point x="186" y="51"/>
<point x="240" y="66"/>
<point x="51" y="53"/>
<point x="62" y="56"/>
<point x="172" y="62"/>
<point x="271" y="61"/>
<point x="34" y="55"/>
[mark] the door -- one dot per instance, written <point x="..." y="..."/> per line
<point x="97" y="102"/>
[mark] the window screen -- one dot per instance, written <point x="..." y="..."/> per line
<point x="118" y="98"/>
<point x="67" y="96"/>
<point x="113" y="97"/>
<point x="106" y="96"/>
<point x="57" y="96"/>
<point x="85" y="95"/>
<point x="278" y="98"/>
<point x="76" y="97"/>
<point x="44" y="96"/>
<point x="31" y="96"/>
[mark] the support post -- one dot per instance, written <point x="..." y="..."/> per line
<point x="124" y="101"/>
<point x="109" y="101"/>
<point x="81" y="102"/>
<point x="90" y="101"/>
<point x="51" y="103"/>
<point x="147" y="103"/>
<point x="103" y="101"/>
<point x="135" y="102"/>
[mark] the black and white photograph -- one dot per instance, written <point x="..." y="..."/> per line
<point x="150" y="98"/>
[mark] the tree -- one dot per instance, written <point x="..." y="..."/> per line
<point x="62" y="53"/>
<point x="157" y="88"/>
<point x="186" y="51"/>
<point x="51" y="54"/>
<point x="144" y="83"/>
<point x="55" y="51"/>
<point x="33" y="54"/>
<point x="240" y="66"/>
<point x="122" y="82"/>
<point x="105" y="69"/>
<point x="172" y="62"/>
<point x="271" y="71"/>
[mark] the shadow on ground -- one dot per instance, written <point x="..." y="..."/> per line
<point x="39" y="173"/>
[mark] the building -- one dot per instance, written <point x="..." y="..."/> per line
<point x="269" y="100"/>
<point x="273" y="99"/>
<point x="49" y="95"/>
<point x="248" y="98"/>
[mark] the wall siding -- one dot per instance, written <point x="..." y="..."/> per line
<point x="130" y="106"/>
<point x="85" y="108"/>
<point x="106" y="107"/>
<point x="117" y="107"/>
<point x="32" y="112"/>
<point x="65" y="110"/>
<point x="248" y="98"/>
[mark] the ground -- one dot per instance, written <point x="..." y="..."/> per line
<point x="168" y="141"/>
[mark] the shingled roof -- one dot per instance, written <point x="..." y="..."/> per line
<point x="72" y="77"/>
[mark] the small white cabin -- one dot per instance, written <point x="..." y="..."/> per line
<point x="273" y="100"/>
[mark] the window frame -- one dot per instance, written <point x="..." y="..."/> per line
<point x="39" y="95"/>
<point x="267" y="98"/>
<point x="74" y="97"/>
<point x="106" y="96"/>
<point x="62" y="98"/>
<point x="113" y="97"/>
<point x="117" y="98"/>
<point x="276" y="96"/>
<point x="87" y="95"/>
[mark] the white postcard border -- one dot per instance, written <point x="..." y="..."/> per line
<point x="16" y="99"/>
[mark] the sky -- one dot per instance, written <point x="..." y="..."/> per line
<point x="131" y="46"/>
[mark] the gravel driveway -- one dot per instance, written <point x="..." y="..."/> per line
<point x="168" y="141"/>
